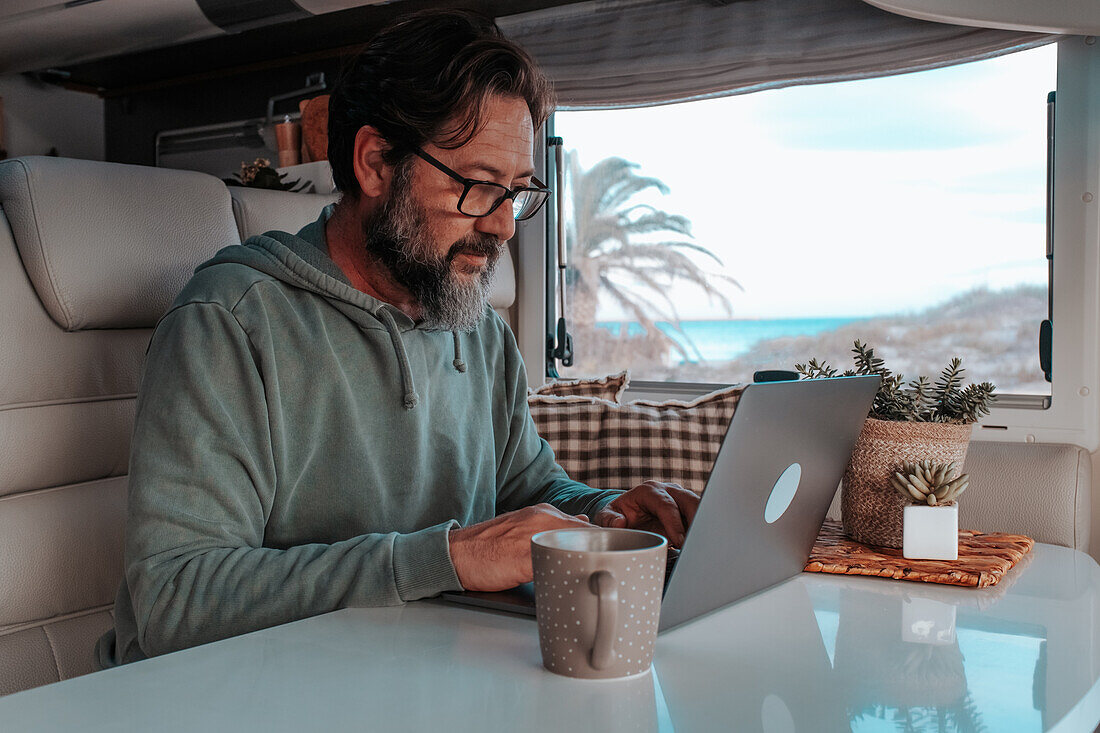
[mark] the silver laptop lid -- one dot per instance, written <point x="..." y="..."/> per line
<point x="789" y="443"/>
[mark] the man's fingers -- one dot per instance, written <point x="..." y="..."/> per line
<point x="665" y="508"/>
<point x="609" y="517"/>
<point x="688" y="501"/>
<point x="582" y="517"/>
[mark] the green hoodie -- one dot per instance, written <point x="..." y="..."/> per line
<point x="300" y="446"/>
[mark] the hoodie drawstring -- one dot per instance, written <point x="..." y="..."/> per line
<point x="275" y="254"/>
<point x="411" y="397"/>
<point x="458" y="363"/>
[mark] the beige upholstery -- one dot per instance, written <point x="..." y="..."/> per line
<point x="91" y="254"/>
<point x="57" y="535"/>
<point x="146" y="217"/>
<point x="51" y="651"/>
<point x="1042" y="491"/>
<point x="257" y="210"/>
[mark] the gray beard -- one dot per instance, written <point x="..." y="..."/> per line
<point x="400" y="239"/>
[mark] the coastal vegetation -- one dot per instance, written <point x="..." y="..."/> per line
<point x="994" y="331"/>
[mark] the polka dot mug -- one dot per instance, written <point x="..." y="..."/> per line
<point x="598" y="599"/>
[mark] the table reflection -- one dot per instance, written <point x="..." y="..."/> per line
<point x="927" y="659"/>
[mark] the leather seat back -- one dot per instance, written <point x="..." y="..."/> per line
<point x="91" y="254"/>
<point x="1043" y="490"/>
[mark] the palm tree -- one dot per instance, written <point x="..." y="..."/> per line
<point x="630" y="252"/>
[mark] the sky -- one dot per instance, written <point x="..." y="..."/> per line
<point x="849" y="199"/>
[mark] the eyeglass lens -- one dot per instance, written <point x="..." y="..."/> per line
<point x="527" y="203"/>
<point x="483" y="198"/>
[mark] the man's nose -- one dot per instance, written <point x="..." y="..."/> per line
<point x="501" y="223"/>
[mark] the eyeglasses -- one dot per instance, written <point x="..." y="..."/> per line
<point x="481" y="198"/>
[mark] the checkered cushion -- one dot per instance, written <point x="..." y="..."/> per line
<point x="618" y="446"/>
<point x="610" y="387"/>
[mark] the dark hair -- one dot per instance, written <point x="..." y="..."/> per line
<point x="426" y="78"/>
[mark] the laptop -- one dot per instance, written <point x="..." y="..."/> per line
<point x="773" y="480"/>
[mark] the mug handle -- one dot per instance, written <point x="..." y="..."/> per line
<point x="602" y="583"/>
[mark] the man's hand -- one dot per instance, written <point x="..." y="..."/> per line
<point x="496" y="555"/>
<point x="666" y="509"/>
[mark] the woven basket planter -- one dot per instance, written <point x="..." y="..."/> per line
<point x="871" y="509"/>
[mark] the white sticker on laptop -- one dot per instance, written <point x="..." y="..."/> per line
<point x="782" y="493"/>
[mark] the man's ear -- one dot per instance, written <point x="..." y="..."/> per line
<point x="372" y="173"/>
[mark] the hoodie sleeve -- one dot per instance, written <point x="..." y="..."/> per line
<point x="529" y="473"/>
<point x="202" y="485"/>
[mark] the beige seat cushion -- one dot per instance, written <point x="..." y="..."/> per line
<point x="259" y="210"/>
<point x="50" y="652"/>
<point x="1041" y="490"/>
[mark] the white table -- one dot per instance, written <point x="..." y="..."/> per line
<point x="817" y="653"/>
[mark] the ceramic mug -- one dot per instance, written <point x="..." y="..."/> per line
<point x="598" y="599"/>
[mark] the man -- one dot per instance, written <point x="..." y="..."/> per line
<point x="336" y="418"/>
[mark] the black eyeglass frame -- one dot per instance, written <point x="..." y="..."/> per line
<point x="468" y="184"/>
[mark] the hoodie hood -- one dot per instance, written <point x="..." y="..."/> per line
<point x="301" y="260"/>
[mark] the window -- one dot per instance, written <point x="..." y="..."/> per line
<point x="713" y="238"/>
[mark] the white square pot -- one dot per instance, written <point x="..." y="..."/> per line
<point x="930" y="532"/>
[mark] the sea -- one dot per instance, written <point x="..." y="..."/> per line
<point x="729" y="339"/>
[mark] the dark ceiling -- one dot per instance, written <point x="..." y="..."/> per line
<point x="319" y="37"/>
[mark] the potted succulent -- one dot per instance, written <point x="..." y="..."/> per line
<point x="930" y="519"/>
<point x="909" y="422"/>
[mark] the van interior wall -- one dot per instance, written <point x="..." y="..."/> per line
<point x="40" y="117"/>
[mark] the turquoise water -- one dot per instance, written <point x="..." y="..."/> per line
<point x="724" y="340"/>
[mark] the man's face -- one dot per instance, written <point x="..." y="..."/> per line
<point x="444" y="258"/>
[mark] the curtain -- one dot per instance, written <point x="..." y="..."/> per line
<point x="630" y="53"/>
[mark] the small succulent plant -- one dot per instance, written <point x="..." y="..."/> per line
<point x="927" y="482"/>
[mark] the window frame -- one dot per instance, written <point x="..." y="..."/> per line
<point x="1071" y="413"/>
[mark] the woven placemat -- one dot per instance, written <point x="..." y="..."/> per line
<point x="983" y="558"/>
